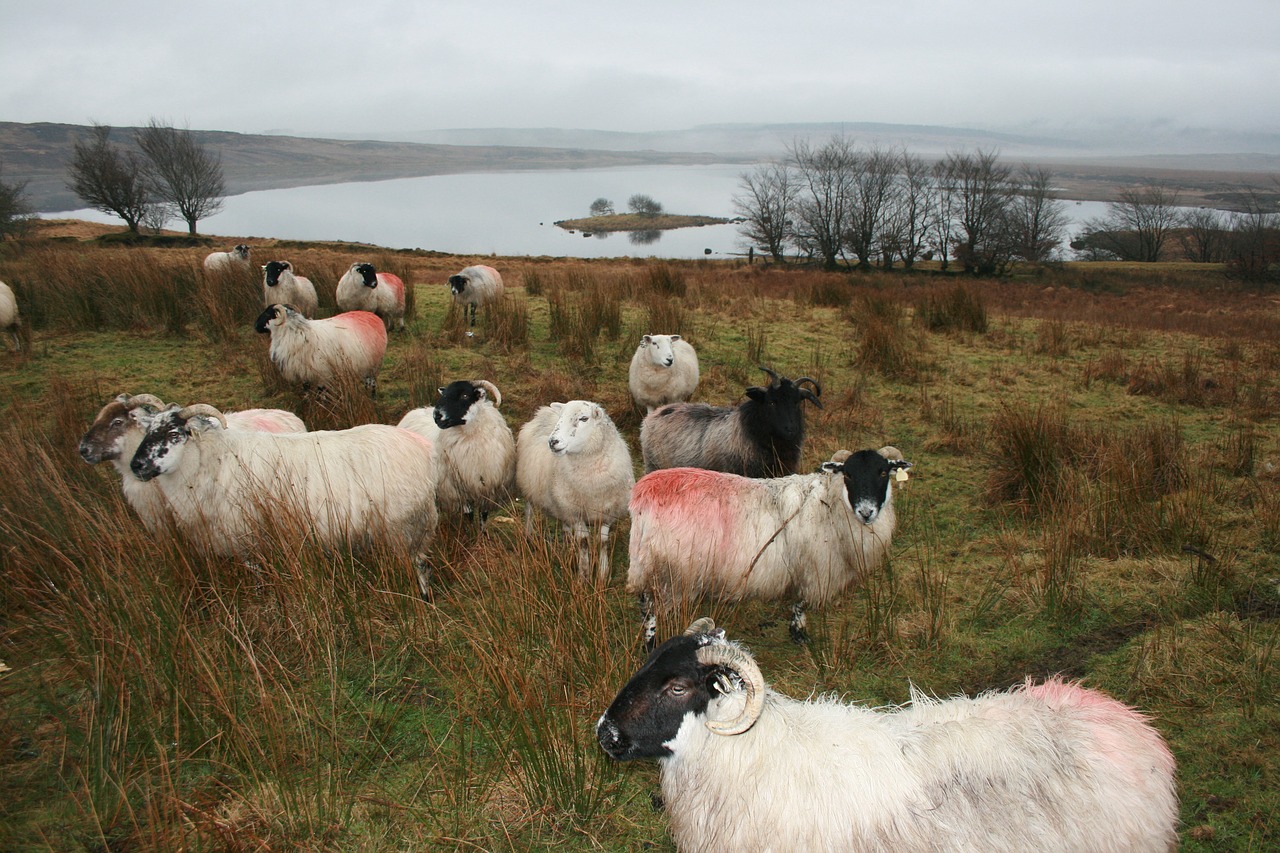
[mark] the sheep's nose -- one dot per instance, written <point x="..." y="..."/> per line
<point x="554" y="444"/>
<point x="669" y="362"/>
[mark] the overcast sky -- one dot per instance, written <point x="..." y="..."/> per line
<point x="405" y="65"/>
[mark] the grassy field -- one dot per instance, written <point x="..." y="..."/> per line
<point x="1096" y="493"/>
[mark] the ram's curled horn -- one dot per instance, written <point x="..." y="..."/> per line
<point x="705" y="625"/>
<point x="135" y="400"/>
<point x="734" y="658"/>
<point x="810" y="395"/>
<point x="773" y="375"/>
<point x="492" y="389"/>
<point x="205" y="410"/>
<point x="891" y="453"/>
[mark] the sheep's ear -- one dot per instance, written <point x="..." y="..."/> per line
<point x="440" y="390"/>
<point x="555" y="407"/>
<point x="899" y="464"/>
<point x="755" y="392"/>
<point x="203" y="423"/>
<point x="480" y="393"/>
<point x="645" y="340"/>
<point x="675" y="338"/>
<point x="831" y="467"/>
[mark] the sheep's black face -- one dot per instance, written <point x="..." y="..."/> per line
<point x="454" y="405"/>
<point x="272" y="269"/>
<point x="368" y="274"/>
<point x="458" y="283"/>
<point x="161" y="447"/>
<point x="263" y="324"/>
<point x="648" y="712"/>
<point x="868" y="478"/>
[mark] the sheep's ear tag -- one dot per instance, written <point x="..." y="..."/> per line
<point x="901" y="475"/>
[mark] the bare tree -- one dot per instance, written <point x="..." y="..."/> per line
<point x="15" y="208"/>
<point x="1203" y="235"/>
<point x="981" y="192"/>
<point x="602" y="207"/>
<point x="1136" y="227"/>
<point x="185" y="174"/>
<point x="873" y="182"/>
<point x="643" y="205"/>
<point x="109" y="178"/>
<point x="826" y="193"/>
<point x="765" y="203"/>
<point x="942" y="234"/>
<point x="1037" y="219"/>
<point x="915" y="208"/>
<point x="1253" y="248"/>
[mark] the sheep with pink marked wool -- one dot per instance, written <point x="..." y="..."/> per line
<point x="1051" y="767"/>
<point x="319" y="352"/>
<point x="363" y="288"/>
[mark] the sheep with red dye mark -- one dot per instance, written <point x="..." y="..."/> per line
<point x="9" y="318"/>
<point x="364" y="487"/>
<point x="574" y="465"/>
<point x="1051" y="767"/>
<point x="475" y="285"/>
<point x="363" y="288"/>
<point x="280" y="285"/>
<point x="235" y="261"/>
<point x="320" y="352"/>
<point x="698" y="533"/>
<point x="664" y="369"/>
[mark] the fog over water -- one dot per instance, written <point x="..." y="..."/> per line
<point x="499" y="213"/>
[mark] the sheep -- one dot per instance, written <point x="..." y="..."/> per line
<point x="476" y="285"/>
<point x="475" y="449"/>
<point x="361" y="288"/>
<point x="9" y="319"/>
<point x="368" y="485"/>
<point x="663" y="370"/>
<point x="318" y="352"/>
<point x="761" y="437"/>
<point x="118" y="429"/>
<point x="574" y="465"/>
<point x="1051" y="766"/>
<point x="234" y="261"/>
<point x="280" y="285"/>
<point x="698" y="533"/>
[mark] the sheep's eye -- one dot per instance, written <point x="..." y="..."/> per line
<point x="677" y="688"/>
<point x="583" y="419"/>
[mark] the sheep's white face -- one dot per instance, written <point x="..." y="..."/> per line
<point x="578" y="422"/>
<point x="661" y="353"/>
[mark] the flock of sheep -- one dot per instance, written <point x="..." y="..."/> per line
<point x="722" y="512"/>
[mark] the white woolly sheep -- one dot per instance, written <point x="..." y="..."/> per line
<point x="663" y="370"/>
<point x="475" y="285"/>
<point x="574" y="465"/>
<point x="366" y="486"/>
<point x="362" y="288"/>
<point x="9" y="318"/>
<point x="761" y="437"/>
<point x="119" y="428"/>
<point x="280" y="285"/>
<point x="1051" y="767"/>
<point x="319" y="352"/>
<point x="698" y="533"/>
<point x="234" y="261"/>
<point x="475" y="449"/>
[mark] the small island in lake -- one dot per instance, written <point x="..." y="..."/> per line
<point x="638" y="222"/>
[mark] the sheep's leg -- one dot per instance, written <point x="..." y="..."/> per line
<point x="581" y="532"/>
<point x="648" y="620"/>
<point x="423" y="570"/>
<point x="472" y="310"/>
<point x="528" y="518"/>
<point x="602" y="570"/>
<point x="798" y="634"/>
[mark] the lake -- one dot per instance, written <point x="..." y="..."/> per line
<point x="501" y="213"/>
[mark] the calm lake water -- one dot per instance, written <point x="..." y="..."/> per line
<point x="501" y="213"/>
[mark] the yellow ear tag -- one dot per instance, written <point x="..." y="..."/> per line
<point x="901" y="475"/>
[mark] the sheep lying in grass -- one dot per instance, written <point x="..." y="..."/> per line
<point x="281" y="286"/>
<point x="664" y="369"/>
<point x="362" y="288"/>
<point x="475" y="285"/>
<point x="364" y="487"/>
<point x="761" y="437"/>
<point x="9" y="318"/>
<point x="319" y="352"/>
<point x="1043" y="767"/>
<point x="475" y="449"/>
<point x="234" y="261"/>
<point x="574" y="465"/>
<point x="698" y="533"/>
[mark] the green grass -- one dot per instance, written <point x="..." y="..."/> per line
<point x="1096" y="492"/>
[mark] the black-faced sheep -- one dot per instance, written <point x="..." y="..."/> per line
<point x="664" y="369"/>
<point x="362" y="288"/>
<point x="761" y="437"/>
<point x="574" y="465"/>
<point x="9" y="318"/>
<point x="475" y="285"/>
<point x="697" y="533"/>
<point x="234" y="261"/>
<point x="280" y="285"/>
<point x="475" y="449"/>
<point x="367" y="486"/>
<point x="1051" y="767"/>
<point x="318" y="352"/>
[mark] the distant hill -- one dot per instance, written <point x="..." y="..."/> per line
<point x="39" y="153"/>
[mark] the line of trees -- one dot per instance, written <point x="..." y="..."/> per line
<point x="841" y="205"/>
<point x="169" y="174"/>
